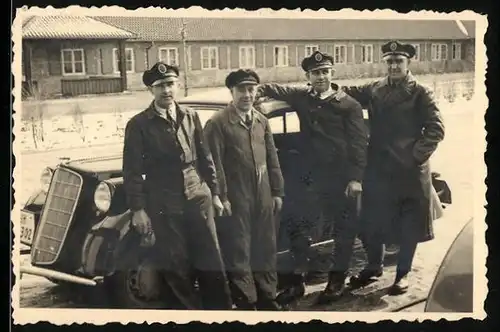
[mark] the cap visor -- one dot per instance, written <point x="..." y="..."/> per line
<point x="321" y="67"/>
<point x="167" y="79"/>
<point x="395" y="55"/>
<point x="247" y="83"/>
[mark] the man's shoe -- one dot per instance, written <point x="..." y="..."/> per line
<point x="291" y="294"/>
<point x="365" y="277"/>
<point x="399" y="287"/>
<point x="334" y="289"/>
<point x="269" y="305"/>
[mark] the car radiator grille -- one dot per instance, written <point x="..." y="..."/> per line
<point x="56" y="217"/>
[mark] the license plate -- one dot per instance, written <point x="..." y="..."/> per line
<point x="27" y="227"/>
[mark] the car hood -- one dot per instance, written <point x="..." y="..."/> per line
<point x="102" y="167"/>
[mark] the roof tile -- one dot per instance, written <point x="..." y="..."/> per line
<point x="223" y="29"/>
<point x="70" y="27"/>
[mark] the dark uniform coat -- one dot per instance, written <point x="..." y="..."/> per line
<point x="176" y="193"/>
<point x="405" y="129"/>
<point x="249" y="176"/>
<point x="333" y="140"/>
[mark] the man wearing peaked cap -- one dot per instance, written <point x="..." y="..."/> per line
<point x="317" y="61"/>
<point x="172" y="205"/>
<point x="252" y="188"/>
<point x="242" y="77"/>
<point x="160" y="73"/>
<point x="333" y="148"/>
<point x="406" y="127"/>
<point x="396" y="48"/>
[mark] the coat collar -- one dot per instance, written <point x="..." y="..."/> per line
<point x="337" y="94"/>
<point x="151" y="111"/>
<point x="235" y="118"/>
<point x="406" y="85"/>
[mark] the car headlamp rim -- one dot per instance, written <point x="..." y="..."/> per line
<point x="103" y="204"/>
<point x="46" y="178"/>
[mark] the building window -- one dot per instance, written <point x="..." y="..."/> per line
<point x="73" y="62"/>
<point x="169" y="55"/>
<point x="209" y="57"/>
<point x="417" y="52"/>
<point x="99" y="62"/>
<point x="457" y="51"/>
<point x="247" y="57"/>
<point x="439" y="52"/>
<point x="280" y="56"/>
<point x="129" y="60"/>
<point x="340" y="54"/>
<point x="367" y="53"/>
<point x="310" y="49"/>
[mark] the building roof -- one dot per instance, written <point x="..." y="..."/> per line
<point x="224" y="29"/>
<point x="70" y="27"/>
<point x="470" y="26"/>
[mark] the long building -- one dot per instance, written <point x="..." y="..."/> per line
<point x="68" y="55"/>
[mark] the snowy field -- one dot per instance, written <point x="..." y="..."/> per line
<point x="99" y="121"/>
<point x="75" y="131"/>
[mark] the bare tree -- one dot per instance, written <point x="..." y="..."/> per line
<point x="77" y="114"/>
<point x="34" y="113"/>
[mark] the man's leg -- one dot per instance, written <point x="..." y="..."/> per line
<point x="300" y="223"/>
<point x="263" y="256"/>
<point x="411" y="216"/>
<point x="173" y="257"/>
<point x="234" y="238"/>
<point x="343" y="213"/>
<point x="378" y="210"/>
<point x="206" y="253"/>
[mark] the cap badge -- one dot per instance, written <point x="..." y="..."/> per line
<point x="393" y="46"/>
<point x="318" y="57"/>
<point x="162" y="68"/>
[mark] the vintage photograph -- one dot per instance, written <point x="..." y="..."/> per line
<point x="206" y="161"/>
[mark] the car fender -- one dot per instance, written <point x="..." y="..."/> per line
<point x="36" y="198"/>
<point x="107" y="243"/>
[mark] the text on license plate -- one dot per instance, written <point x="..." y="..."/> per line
<point x="27" y="227"/>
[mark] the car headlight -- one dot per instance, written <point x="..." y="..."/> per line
<point x="45" y="179"/>
<point x="102" y="197"/>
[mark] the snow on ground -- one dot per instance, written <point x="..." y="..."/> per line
<point x="75" y="131"/>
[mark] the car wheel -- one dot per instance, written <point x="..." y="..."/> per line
<point x="135" y="288"/>
<point x="391" y="249"/>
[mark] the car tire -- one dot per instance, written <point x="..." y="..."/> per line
<point x="135" y="287"/>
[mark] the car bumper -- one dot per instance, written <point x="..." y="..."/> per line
<point x="51" y="274"/>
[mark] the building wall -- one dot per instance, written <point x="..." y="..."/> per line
<point x="46" y="62"/>
<point x="228" y="55"/>
<point x="47" y="67"/>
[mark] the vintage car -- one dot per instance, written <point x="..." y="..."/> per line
<point x="77" y="224"/>
<point x="453" y="286"/>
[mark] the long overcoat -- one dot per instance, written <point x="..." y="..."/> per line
<point x="249" y="175"/>
<point x="405" y="129"/>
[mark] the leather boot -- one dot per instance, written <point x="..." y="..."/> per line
<point x="334" y="289"/>
<point x="293" y="292"/>
<point x="400" y="285"/>
<point x="365" y="277"/>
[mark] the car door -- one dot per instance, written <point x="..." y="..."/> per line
<point x="299" y="202"/>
